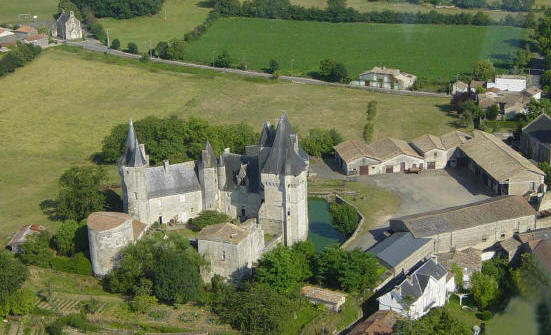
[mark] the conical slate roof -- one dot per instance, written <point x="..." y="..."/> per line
<point x="266" y="136"/>
<point x="132" y="154"/>
<point x="208" y="157"/>
<point x="283" y="159"/>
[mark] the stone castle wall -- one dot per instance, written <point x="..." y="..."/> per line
<point x="105" y="246"/>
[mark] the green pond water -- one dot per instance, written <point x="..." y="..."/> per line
<point x="321" y="232"/>
<point x="519" y="318"/>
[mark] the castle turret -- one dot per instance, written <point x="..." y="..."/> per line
<point x="132" y="167"/>
<point x="208" y="177"/>
<point x="221" y="173"/>
<point x="283" y="177"/>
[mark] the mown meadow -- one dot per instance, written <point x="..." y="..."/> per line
<point x="437" y="52"/>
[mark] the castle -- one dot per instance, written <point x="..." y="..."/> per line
<point x="268" y="183"/>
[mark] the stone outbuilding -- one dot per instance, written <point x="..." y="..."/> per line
<point x="535" y="139"/>
<point x="230" y="250"/>
<point x="469" y="260"/>
<point x="354" y="157"/>
<point x="22" y="235"/>
<point x="108" y="234"/>
<point x="332" y="300"/>
<point x="378" y="323"/>
<point x="432" y="149"/>
<point x="382" y="77"/>
<point x="66" y="27"/>
<point x="480" y="224"/>
<point x="501" y="168"/>
<point x="40" y="40"/>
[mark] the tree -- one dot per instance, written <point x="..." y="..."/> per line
<point x="116" y="44"/>
<point x="331" y="70"/>
<point x="538" y="107"/>
<point x="545" y="167"/>
<point x="457" y="276"/>
<point x="485" y="289"/>
<point x="273" y="66"/>
<point x="12" y="276"/>
<point x="437" y="321"/>
<point x="207" y="218"/>
<point x="121" y="9"/>
<point x="350" y="271"/>
<point x="484" y="70"/>
<point x="345" y="217"/>
<point x="467" y="119"/>
<point x="176" y="49"/>
<point x="368" y="132"/>
<point x="493" y="112"/>
<point x="132" y="48"/>
<point x="371" y="110"/>
<point x="284" y="268"/>
<point x="531" y="278"/>
<point x="71" y="237"/>
<point x="227" y="7"/>
<point x="546" y="78"/>
<point x="69" y="6"/>
<point x="223" y="59"/>
<point x="35" y="250"/>
<point x="320" y="142"/>
<point x="80" y="192"/>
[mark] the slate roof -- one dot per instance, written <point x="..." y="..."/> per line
<point x="208" y="157"/>
<point x="388" y="148"/>
<point x="283" y="159"/>
<point x="540" y="129"/>
<point x="64" y="17"/>
<point x="396" y="248"/>
<point x="454" y="139"/>
<point x="133" y="156"/>
<point x="223" y="232"/>
<point x="428" y="142"/>
<point x="267" y="135"/>
<point x="233" y="162"/>
<point x="466" y="216"/>
<point x="351" y="150"/>
<point x="100" y="221"/>
<point x="469" y="258"/>
<point x="174" y="179"/>
<point x="415" y="285"/>
<point x="499" y="160"/>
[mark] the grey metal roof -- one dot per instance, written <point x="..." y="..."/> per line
<point x="416" y="283"/>
<point x="132" y="154"/>
<point x="396" y="248"/>
<point x="233" y="162"/>
<point x="283" y="158"/>
<point x="540" y="129"/>
<point x="175" y="179"/>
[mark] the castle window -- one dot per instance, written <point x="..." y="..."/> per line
<point x="502" y="235"/>
<point x="160" y="220"/>
<point x="484" y="238"/>
<point x="288" y="212"/>
<point x="135" y="195"/>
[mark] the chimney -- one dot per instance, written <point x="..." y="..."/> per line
<point x="166" y="165"/>
<point x="434" y="258"/>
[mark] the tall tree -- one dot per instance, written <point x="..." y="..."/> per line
<point x="484" y="70"/>
<point x="12" y="276"/>
<point x="485" y="289"/>
<point x="80" y="192"/>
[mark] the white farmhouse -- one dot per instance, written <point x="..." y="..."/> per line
<point x="508" y="82"/>
<point x="382" y="77"/>
<point x="425" y="288"/>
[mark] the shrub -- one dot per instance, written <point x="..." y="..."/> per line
<point x="143" y="303"/>
<point x="368" y="132"/>
<point x="78" y="264"/>
<point x="493" y="112"/>
<point x="116" y="44"/>
<point x="486" y="315"/>
<point x="207" y="218"/>
<point x="132" y="48"/>
<point x="223" y="60"/>
<point x="71" y="237"/>
<point x="320" y="142"/>
<point x="345" y="217"/>
<point x="331" y="70"/>
<point x="273" y="66"/>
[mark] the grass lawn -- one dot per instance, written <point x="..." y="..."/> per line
<point x="437" y="52"/>
<point x="60" y="107"/>
<point x="366" y="6"/>
<point x="44" y="9"/>
<point x="181" y="17"/>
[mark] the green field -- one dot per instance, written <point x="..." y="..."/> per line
<point x="10" y="9"/>
<point x="60" y="107"/>
<point x="176" y="18"/>
<point x="437" y="52"/>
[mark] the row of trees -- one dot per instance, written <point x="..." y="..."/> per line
<point x="337" y="11"/>
<point x="20" y="55"/>
<point x="320" y="142"/>
<point x="176" y="139"/>
<point x="121" y="9"/>
<point x="370" y="116"/>
<point x="509" y="5"/>
<point x="14" y="299"/>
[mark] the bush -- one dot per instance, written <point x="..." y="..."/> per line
<point x="71" y="237"/>
<point x="116" y="44"/>
<point x="207" y="218"/>
<point x="132" y="48"/>
<point x="273" y="66"/>
<point x="331" y="70"/>
<point x="320" y="142"/>
<point x="345" y="217"/>
<point x="121" y="9"/>
<point x="493" y="112"/>
<point x="368" y="132"/>
<point x="143" y="303"/>
<point x="78" y="264"/>
<point x="223" y="60"/>
<point x="486" y="315"/>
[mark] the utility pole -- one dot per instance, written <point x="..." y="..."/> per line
<point x="107" y="32"/>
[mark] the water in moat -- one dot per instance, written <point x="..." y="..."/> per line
<point x="321" y="232"/>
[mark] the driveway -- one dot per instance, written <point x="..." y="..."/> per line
<point x="430" y="190"/>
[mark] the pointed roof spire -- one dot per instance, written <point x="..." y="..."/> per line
<point x="266" y="135"/>
<point x="283" y="158"/>
<point x="208" y="157"/>
<point x="221" y="160"/>
<point x="133" y="155"/>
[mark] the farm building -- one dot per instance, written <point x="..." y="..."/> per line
<point x="508" y="82"/>
<point x="432" y="149"/>
<point x="459" y="87"/>
<point x="502" y="169"/>
<point x="478" y="225"/>
<point x="428" y="286"/>
<point x="354" y="157"/>
<point x="510" y="104"/>
<point x="402" y="251"/>
<point x="378" y="323"/>
<point x="21" y="236"/>
<point x="382" y="77"/>
<point x="331" y="299"/>
<point x="230" y="250"/>
<point x="535" y="139"/>
<point x="469" y="260"/>
<point x="533" y="92"/>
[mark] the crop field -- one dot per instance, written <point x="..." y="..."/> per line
<point x="176" y="18"/>
<point x="437" y="52"/>
<point x="11" y="9"/>
<point x="402" y="6"/>
<point x="44" y="131"/>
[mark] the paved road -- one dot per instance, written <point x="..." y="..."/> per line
<point x="94" y="45"/>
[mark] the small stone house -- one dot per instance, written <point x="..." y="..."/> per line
<point x="535" y="139"/>
<point x="432" y="149"/>
<point x="468" y="260"/>
<point x="479" y="225"/>
<point x="382" y="77"/>
<point x="426" y="288"/>
<point x="378" y="323"/>
<point x="230" y="250"/>
<point x="66" y="27"/>
<point x="332" y="300"/>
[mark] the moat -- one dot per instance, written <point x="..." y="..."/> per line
<point x="320" y="231"/>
